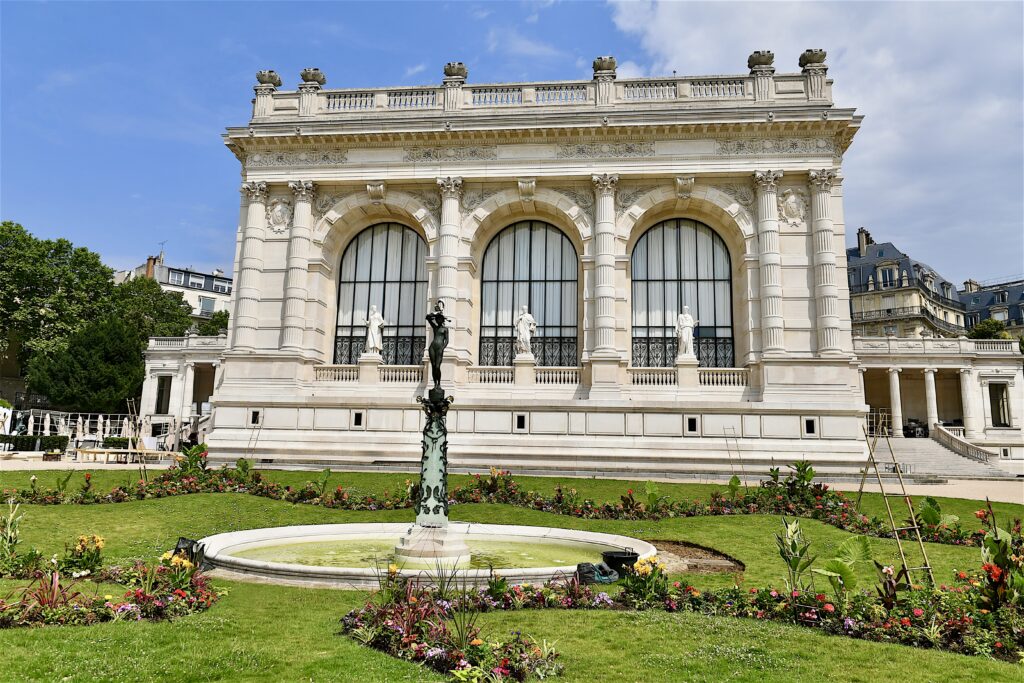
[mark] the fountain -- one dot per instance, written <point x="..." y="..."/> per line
<point x="352" y="555"/>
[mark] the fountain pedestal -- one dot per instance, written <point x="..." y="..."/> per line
<point x="429" y="538"/>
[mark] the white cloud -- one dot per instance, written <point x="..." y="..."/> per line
<point x="479" y="13"/>
<point x="413" y="70"/>
<point x="939" y="160"/>
<point x="509" y="41"/>
<point x="629" y="69"/>
<point x="532" y="18"/>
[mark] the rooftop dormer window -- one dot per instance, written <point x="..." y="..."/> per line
<point x="1000" y="297"/>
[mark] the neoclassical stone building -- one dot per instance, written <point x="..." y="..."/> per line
<point x="603" y="207"/>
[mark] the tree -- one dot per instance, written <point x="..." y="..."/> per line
<point x="48" y="289"/>
<point x="100" y="367"/>
<point x="989" y="329"/>
<point x="213" y="325"/>
<point x="149" y="310"/>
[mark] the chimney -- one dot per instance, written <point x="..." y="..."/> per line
<point x="217" y="272"/>
<point x="971" y="286"/>
<point x="863" y="240"/>
<point x="150" y="263"/>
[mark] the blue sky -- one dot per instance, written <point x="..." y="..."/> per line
<point x="111" y="113"/>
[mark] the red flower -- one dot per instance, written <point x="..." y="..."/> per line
<point x="820" y="597"/>
<point x="905" y="621"/>
<point x="829" y="607"/>
<point x="88" y="476"/>
<point x="918" y="612"/>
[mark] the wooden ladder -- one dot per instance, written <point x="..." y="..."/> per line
<point x="912" y="525"/>
<point x="733" y="443"/>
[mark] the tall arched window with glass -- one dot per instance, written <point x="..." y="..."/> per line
<point x="532" y="264"/>
<point x="678" y="263"/>
<point x="384" y="266"/>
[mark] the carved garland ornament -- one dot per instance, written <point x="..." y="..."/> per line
<point x="605" y="149"/>
<point x="316" y="158"/>
<point x="761" y="146"/>
<point x="480" y="153"/>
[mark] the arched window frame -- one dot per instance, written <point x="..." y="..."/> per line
<point x="505" y="286"/>
<point x="383" y="265"/>
<point x="658" y="296"/>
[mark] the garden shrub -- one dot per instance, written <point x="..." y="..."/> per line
<point x="116" y="442"/>
<point x="25" y="442"/>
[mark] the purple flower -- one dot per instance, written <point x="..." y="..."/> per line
<point x="848" y="623"/>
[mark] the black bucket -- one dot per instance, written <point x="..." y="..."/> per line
<point x="620" y="559"/>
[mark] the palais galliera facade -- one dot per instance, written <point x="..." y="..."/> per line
<point x="604" y="207"/>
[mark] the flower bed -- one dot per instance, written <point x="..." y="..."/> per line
<point x="170" y="588"/>
<point x="796" y="495"/>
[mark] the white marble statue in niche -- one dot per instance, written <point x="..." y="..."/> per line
<point x="684" y="331"/>
<point x="526" y="327"/>
<point x="374" y="332"/>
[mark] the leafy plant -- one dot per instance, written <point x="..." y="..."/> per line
<point x="794" y="551"/>
<point x="1002" y="555"/>
<point x="10" y="536"/>
<point x="62" y="483"/>
<point x="839" y="570"/>
<point x="734" y="486"/>
<point x="890" y="584"/>
<point x="243" y="468"/>
<point x="929" y="512"/>
<point x="192" y="460"/>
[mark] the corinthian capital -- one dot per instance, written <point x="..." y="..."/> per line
<point x="605" y="183"/>
<point x="451" y="188"/>
<point x="303" y="189"/>
<point x="822" y="180"/>
<point x="256" y="192"/>
<point x="767" y="180"/>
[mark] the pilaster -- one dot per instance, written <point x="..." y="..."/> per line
<point x="296" y="288"/>
<point x="248" y="294"/>
<point x="826" y="290"/>
<point x="770" y="260"/>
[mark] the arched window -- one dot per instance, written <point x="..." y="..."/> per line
<point x="679" y="263"/>
<point x="384" y="266"/>
<point x="534" y="264"/>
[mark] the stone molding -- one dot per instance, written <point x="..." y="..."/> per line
<point x="475" y="153"/>
<point x="330" y="157"/>
<point x="595" y="150"/>
<point x="774" y="146"/>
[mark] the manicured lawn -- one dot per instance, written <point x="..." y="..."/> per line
<point x="273" y="633"/>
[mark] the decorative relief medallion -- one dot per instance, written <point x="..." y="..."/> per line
<point x="314" y="158"/>
<point x="792" y="207"/>
<point x="762" y="146"/>
<point x="279" y="214"/>
<point x="605" y="149"/>
<point x="474" y="198"/>
<point x="479" y="153"/>
<point x="743" y="194"/>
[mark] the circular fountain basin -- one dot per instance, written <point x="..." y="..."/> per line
<point x="352" y="555"/>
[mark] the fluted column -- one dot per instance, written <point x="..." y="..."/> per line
<point x="931" y="404"/>
<point x="247" y="309"/>
<point x="895" y="403"/>
<point x="772" y="338"/>
<point x="972" y="416"/>
<point x="295" y="285"/>
<point x="448" y="242"/>
<point x="826" y="291"/>
<point x="604" y="265"/>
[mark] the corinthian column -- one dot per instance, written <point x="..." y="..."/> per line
<point x="251" y="265"/>
<point x="448" y="242"/>
<point x="295" y="287"/>
<point x="826" y="293"/>
<point x="604" y="265"/>
<point x="771" y="262"/>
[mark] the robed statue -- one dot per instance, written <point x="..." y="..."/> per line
<point x="374" y="332"/>
<point x="438" y="343"/>
<point x="526" y="327"/>
<point x="684" y="331"/>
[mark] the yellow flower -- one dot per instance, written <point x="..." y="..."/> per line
<point x="108" y="597"/>
<point x="392" y="569"/>
<point x="167" y="555"/>
<point x="476" y="641"/>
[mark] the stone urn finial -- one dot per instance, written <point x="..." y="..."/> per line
<point x="760" y="58"/>
<point x="812" y="57"/>
<point x="456" y="70"/>
<point x="604" y="67"/>
<point x="313" y="75"/>
<point x="268" y="78"/>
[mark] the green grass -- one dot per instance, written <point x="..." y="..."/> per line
<point x="273" y="633"/>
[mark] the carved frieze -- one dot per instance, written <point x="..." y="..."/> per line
<point x="597" y="150"/>
<point x="475" y="153"/>
<point x="774" y="146"/>
<point x="330" y="157"/>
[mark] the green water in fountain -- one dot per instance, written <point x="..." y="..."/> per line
<point x="374" y="552"/>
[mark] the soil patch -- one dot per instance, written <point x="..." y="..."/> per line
<point x="680" y="557"/>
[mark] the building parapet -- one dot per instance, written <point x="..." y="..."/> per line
<point x="870" y="347"/>
<point x="218" y="343"/>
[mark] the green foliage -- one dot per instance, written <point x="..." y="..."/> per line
<point x="10" y="537"/>
<point x="989" y="329"/>
<point x="1002" y="555"/>
<point x="101" y="367"/>
<point x="25" y="442"/>
<point x="48" y="289"/>
<point x="929" y="512"/>
<point x="734" y="486"/>
<point x="149" y="310"/>
<point x="214" y="325"/>
<point x="840" y="570"/>
<point x="192" y="460"/>
<point x="115" y="442"/>
<point x="5" y="404"/>
<point x="794" y="551"/>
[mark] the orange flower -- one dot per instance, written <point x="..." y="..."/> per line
<point x="476" y="641"/>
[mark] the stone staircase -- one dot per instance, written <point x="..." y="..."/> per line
<point x="927" y="457"/>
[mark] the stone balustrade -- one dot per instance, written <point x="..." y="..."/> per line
<point x="490" y="375"/>
<point x="392" y="374"/>
<point x="652" y="377"/>
<point x="336" y="373"/>
<point x="455" y="97"/>
<point x="723" y="377"/>
<point x="189" y="342"/>
<point x="887" y="347"/>
<point x="556" y="375"/>
<point x="959" y="445"/>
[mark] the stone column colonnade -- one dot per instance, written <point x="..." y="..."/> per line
<point x="450" y="188"/>
<point x="968" y="391"/>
